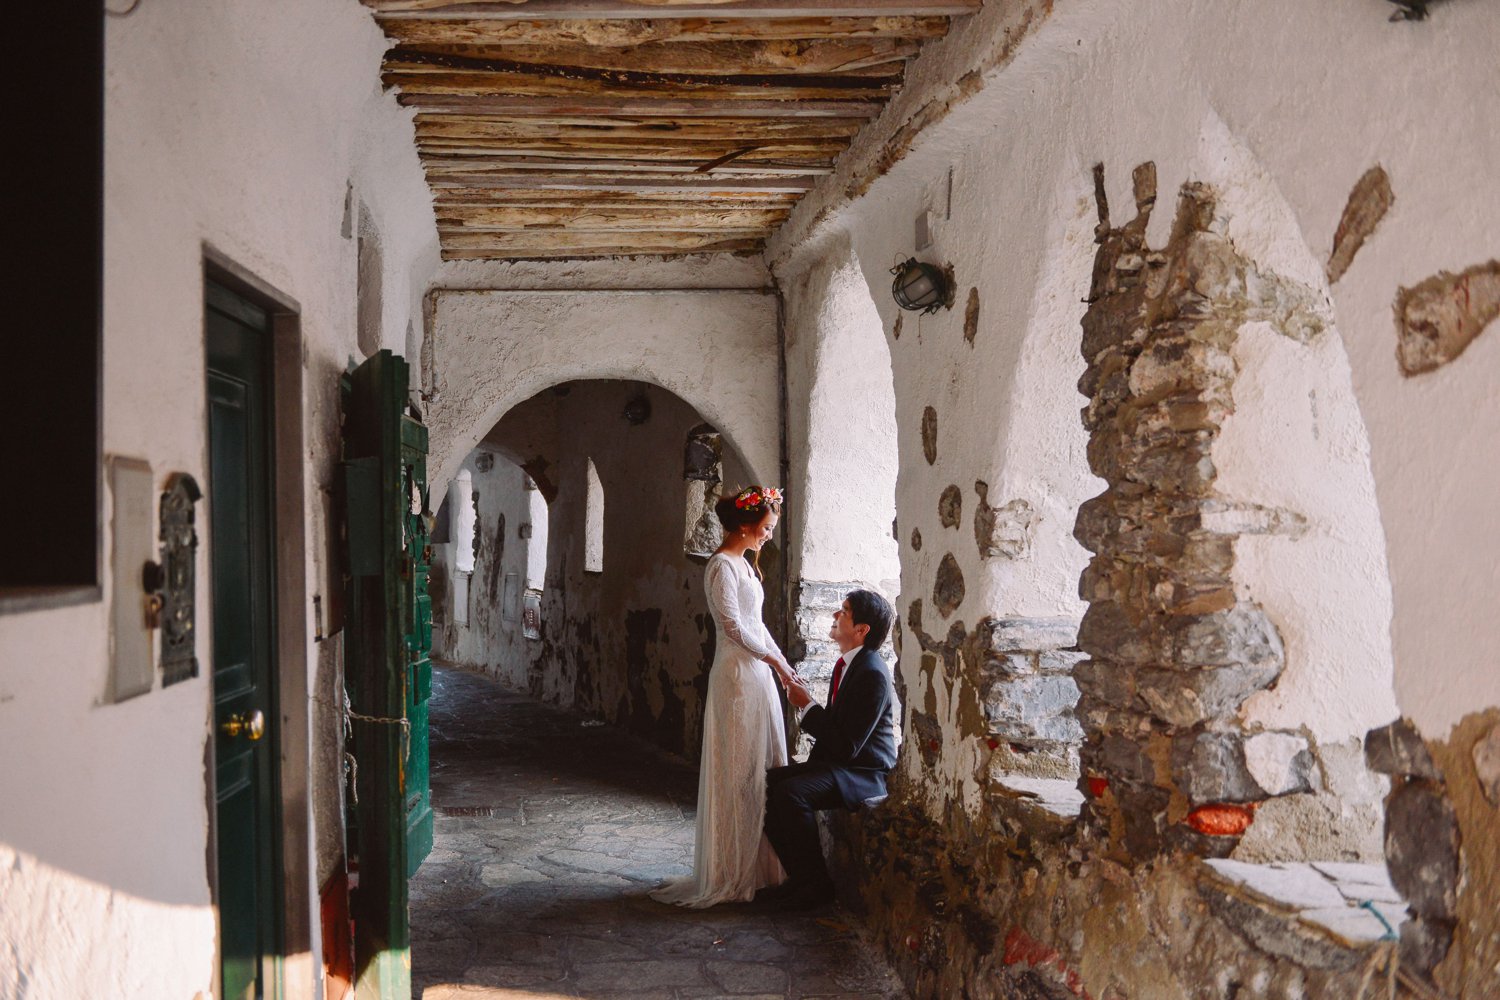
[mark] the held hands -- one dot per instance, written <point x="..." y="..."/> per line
<point x="798" y="694"/>
<point x="796" y="691"/>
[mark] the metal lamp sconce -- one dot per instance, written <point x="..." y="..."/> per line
<point x="922" y="287"/>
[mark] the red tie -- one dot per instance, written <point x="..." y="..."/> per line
<point x="838" y="675"/>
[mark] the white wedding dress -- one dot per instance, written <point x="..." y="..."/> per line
<point x="742" y="739"/>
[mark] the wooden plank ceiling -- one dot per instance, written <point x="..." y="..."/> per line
<point x="591" y="128"/>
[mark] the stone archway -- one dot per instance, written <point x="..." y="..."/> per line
<point x="620" y="632"/>
<point x="492" y="349"/>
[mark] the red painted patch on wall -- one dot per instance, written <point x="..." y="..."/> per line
<point x="1222" y="820"/>
<point x="1023" y="949"/>
<point x="338" y="939"/>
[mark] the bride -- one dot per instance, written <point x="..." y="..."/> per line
<point x="742" y="722"/>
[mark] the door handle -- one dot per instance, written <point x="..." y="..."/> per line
<point x="253" y="725"/>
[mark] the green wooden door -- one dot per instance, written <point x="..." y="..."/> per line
<point x="240" y="549"/>
<point x="386" y="666"/>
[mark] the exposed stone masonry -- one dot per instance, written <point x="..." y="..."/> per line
<point x="1421" y="839"/>
<point x="1174" y="651"/>
<point x="1438" y="318"/>
<point x="1013" y="676"/>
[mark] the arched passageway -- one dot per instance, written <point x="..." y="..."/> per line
<point x="585" y="587"/>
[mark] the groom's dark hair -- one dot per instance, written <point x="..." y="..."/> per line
<point x="868" y="608"/>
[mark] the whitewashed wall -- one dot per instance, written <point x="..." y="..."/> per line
<point x="841" y="427"/>
<point x="714" y="348"/>
<point x="492" y="639"/>
<point x="237" y="126"/>
<point x="1307" y="99"/>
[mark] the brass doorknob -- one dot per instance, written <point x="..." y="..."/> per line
<point x="252" y="725"/>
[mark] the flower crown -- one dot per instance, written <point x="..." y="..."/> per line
<point x="757" y="496"/>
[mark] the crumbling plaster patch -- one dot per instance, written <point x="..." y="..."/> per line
<point x="1472" y="967"/>
<point x="1439" y="317"/>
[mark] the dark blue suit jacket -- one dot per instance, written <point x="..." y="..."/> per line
<point x="857" y="735"/>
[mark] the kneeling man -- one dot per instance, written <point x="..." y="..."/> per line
<point x="854" y="748"/>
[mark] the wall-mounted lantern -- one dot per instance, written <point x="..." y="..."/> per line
<point x="637" y="411"/>
<point x="923" y="287"/>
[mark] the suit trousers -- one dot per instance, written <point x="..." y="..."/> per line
<point x="794" y="794"/>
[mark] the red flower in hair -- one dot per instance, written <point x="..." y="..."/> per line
<point x="756" y="496"/>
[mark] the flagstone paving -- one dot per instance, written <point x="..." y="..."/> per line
<point x="549" y="833"/>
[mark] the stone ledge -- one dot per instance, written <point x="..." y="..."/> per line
<point x="1319" y="904"/>
<point x="1058" y="796"/>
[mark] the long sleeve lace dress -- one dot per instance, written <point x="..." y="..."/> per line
<point x="742" y="739"/>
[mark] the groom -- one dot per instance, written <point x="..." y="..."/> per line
<point x="854" y="748"/>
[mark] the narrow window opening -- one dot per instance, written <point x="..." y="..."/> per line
<point x="593" y="524"/>
<point x="465" y="518"/>
<point x="535" y="533"/>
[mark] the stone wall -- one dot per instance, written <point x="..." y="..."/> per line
<point x="1174" y="649"/>
<point x="1009" y="903"/>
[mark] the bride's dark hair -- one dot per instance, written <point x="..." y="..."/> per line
<point x="748" y="506"/>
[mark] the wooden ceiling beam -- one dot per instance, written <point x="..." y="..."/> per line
<point x="592" y="218"/>
<point x="521" y="84"/>
<point x="712" y="186"/>
<point x="866" y="57"/>
<point x="663" y="240"/>
<point x="691" y="155"/>
<point x="728" y="246"/>
<point x="633" y="33"/>
<point x="668" y="198"/>
<point x="457" y="238"/>
<point x="439" y="167"/>
<point x="610" y="9"/>
<point x="582" y="127"/>
<point x="414" y="61"/>
<point x="673" y="106"/>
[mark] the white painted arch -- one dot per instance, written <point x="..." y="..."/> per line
<point x="717" y="350"/>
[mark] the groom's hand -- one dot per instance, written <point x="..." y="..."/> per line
<point x="798" y="694"/>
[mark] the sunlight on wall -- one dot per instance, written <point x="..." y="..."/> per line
<point x="593" y="525"/>
<point x="63" y="935"/>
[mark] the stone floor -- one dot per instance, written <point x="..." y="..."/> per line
<point x="550" y="831"/>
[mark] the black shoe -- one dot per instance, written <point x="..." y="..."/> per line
<point x="807" y="897"/>
<point x="770" y="896"/>
<point x="775" y="891"/>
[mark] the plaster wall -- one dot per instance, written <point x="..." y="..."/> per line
<point x="1316" y="97"/>
<point x="492" y="640"/>
<point x="841" y="428"/>
<point x="715" y="349"/>
<point x="239" y="127"/>
<point x="705" y="271"/>
<point x="1296" y="449"/>
<point x="1283" y="108"/>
